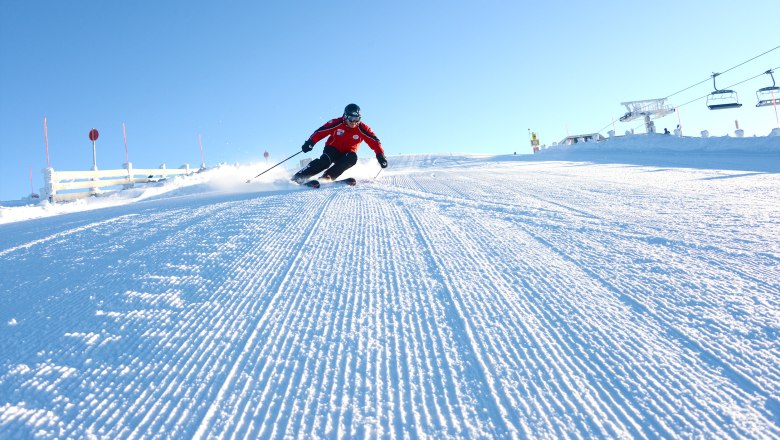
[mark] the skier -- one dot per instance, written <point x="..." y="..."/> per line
<point x="340" y="153"/>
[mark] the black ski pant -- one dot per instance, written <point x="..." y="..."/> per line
<point x="331" y="160"/>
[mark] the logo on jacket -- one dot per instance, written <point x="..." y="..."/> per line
<point x="355" y="137"/>
<point x="339" y="132"/>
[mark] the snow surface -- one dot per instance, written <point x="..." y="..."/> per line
<point x="627" y="289"/>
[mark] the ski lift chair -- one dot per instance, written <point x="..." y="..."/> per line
<point x="768" y="95"/>
<point x="722" y="99"/>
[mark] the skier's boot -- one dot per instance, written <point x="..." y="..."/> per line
<point x="299" y="178"/>
<point x="314" y="167"/>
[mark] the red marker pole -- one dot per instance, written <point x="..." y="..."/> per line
<point x="93" y="136"/>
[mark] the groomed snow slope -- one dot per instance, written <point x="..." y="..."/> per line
<point x="455" y="296"/>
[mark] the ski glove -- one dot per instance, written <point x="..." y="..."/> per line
<point x="381" y="159"/>
<point x="307" y="146"/>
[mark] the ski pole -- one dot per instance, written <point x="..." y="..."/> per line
<point x="269" y="169"/>
<point x="377" y="174"/>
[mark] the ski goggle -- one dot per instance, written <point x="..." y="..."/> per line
<point x="352" y="118"/>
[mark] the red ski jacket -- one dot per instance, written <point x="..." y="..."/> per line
<point x="345" y="139"/>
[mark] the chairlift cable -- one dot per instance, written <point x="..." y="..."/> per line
<point x="602" y="129"/>
<point x="757" y="56"/>
<point x="690" y="87"/>
<point x="721" y="73"/>
<point x="728" y="87"/>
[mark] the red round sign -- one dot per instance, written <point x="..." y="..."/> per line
<point x="93" y="135"/>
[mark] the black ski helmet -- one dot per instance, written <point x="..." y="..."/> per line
<point x="352" y="111"/>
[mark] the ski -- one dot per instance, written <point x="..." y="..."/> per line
<point x="349" y="181"/>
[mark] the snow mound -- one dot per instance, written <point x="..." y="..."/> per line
<point x="645" y="143"/>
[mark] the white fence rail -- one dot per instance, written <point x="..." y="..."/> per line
<point x="97" y="181"/>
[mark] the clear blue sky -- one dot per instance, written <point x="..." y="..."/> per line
<point x="443" y="76"/>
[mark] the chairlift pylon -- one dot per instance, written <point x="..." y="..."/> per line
<point x="722" y="99"/>
<point x="768" y="95"/>
<point x="647" y="109"/>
